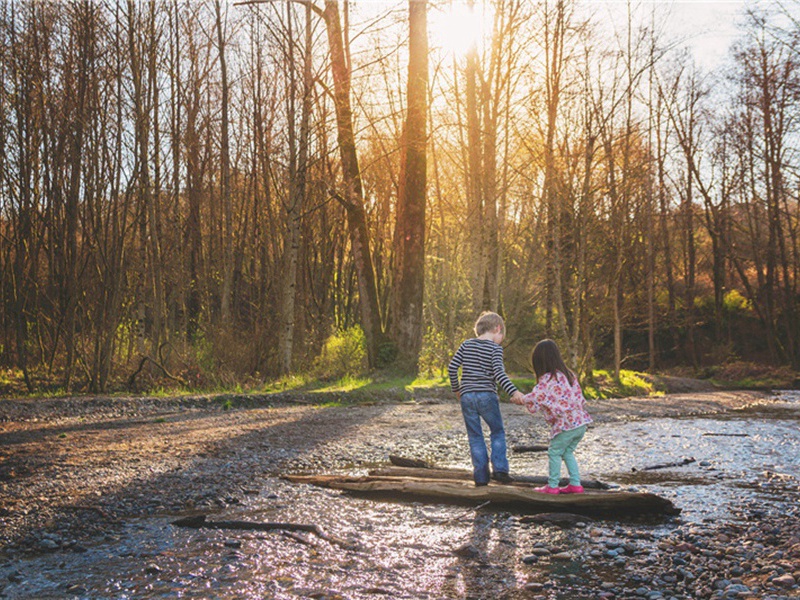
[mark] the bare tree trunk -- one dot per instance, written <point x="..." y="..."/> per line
<point x="409" y="236"/>
<point x="226" y="200"/>
<point x="475" y="225"/>
<point x="297" y="192"/>
<point x="554" y="48"/>
<point x="353" y="197"/>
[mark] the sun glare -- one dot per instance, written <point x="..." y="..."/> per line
<point x="457" y="27"/>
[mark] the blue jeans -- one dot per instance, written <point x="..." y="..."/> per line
<point x="561" y="448"/>
<point x="484" y="405"/>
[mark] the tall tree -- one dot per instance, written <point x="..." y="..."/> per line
<point x="409" y="236"/>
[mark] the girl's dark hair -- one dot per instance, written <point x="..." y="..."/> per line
<point x="546" y="358"/>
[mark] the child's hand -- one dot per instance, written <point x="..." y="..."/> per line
<point x="517" y="398"/>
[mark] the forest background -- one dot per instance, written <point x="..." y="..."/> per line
<point x="200" y="193"/>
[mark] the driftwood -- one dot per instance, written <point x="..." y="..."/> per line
<point x="464" y="475"/>
<point x="532" y="448"/>
<point x="562" y="519"/>
<point x="684" y="462"/>
<point x="199" y="521"/>
<point x="411" y="463"/>
<point x="594" y="502"/>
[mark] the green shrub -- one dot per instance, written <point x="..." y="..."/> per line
<point x="434" y="354"/>
<point x="631" y="383"/>
<point x="734" y="302"/>
<point x="344" y="353"/>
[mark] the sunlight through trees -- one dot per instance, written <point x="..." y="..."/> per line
<point x="219" y="188"/>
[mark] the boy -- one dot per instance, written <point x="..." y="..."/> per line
<point x="482" y="369"/>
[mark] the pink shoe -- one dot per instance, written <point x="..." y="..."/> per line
<point x="571" y="489"/>
<point x="547" y="490"/>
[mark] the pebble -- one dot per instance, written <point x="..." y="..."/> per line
<point x="784" y="580"/>
<point x="467" y="551"/>
<point x="48" y="544"/>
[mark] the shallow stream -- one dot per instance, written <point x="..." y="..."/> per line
<point x="748" y="458"/>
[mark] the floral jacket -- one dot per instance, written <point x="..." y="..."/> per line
<point x="561" y="404"/>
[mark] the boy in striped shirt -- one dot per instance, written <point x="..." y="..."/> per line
<point x="482" y="369"/>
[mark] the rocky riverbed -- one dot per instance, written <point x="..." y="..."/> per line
<point x="89" y="487"/>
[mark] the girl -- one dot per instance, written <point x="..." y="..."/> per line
<point x="557" y="394"/>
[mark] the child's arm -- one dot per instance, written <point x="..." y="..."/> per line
<point x="452" y="370"/>
<point x="499" y="372"/>
<point x="532" y="401"/>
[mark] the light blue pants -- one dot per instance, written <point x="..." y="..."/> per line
<point x="561" y="448"/>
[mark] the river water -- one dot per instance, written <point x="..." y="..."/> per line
<point x="745" y="459"/>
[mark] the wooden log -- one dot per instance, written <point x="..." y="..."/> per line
<point x="199" y="521"/>
<point x="411" y="463"/>
<point x="561" y="519"/>
<point x="531" y="448"/>
<point x="594" y="502"/>
<point x="464" y="475"/>
<point x="684" y="462"/>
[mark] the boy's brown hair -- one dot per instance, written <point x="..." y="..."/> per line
<point x="489" y="321"/>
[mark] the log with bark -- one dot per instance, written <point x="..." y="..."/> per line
<point x="523" y="496"/>
<point x="560" y="519"/>
<point x="530" y="448"/>
<point x="682" y="463"/>
<point x="199" y="521"/>
<point x="463" y="474"/>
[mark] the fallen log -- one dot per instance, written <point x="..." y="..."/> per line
<point x="411" y="463"/>
<point x="593" y="502"/>
<point x="464" y="475"/>
<point x="199" y="521"/>
<point x="560" y="519"/>
<point x="531" y="448"/>
<point x="684" y="462"/>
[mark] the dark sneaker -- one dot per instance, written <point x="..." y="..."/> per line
<point x="502" y="477"/>
<point x="481" y="483"/>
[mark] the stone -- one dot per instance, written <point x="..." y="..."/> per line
<point x="467" y="551"/>
<point x="737" y="588"/>
<point x="48" y="544"/>
<point x="784" y="581"/>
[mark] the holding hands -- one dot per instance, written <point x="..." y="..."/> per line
<point x="517" y="398"/>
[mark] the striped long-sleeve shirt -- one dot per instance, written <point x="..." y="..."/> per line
<point x="482" y="368"/>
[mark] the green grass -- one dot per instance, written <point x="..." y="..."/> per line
<point x="391" y="387"/>
<point x="746" y="375"/>
<point x="631" y="383"/>
<point x="346" y="384"/>
<point x="286" y="384"/>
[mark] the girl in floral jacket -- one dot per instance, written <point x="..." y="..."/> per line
<point x="558" y="396"/>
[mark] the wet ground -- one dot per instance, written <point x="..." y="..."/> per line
<point x="87" y="500"/>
